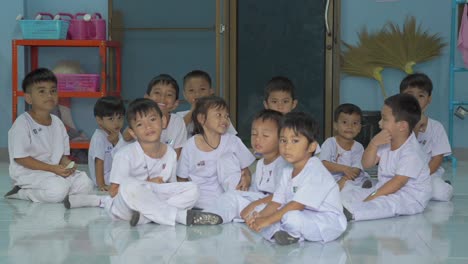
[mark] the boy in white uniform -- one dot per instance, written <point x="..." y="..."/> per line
<point x="139" y="174"/>
<point x="306" y="204"/>
<point x="197" y="84"/>
<point x="232" y="205"/>
<point x="404" y="186"/>
<point x="164" y="90"/>
<point x="431" y="134"/>
<point x="279" y="95"/>
<point x="109" y="112"/>
<point x="213" y="159"/>
<point x="38" y="146"/>
<point x="341" y="154"/>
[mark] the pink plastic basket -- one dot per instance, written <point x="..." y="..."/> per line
<point x="78" y="82"/>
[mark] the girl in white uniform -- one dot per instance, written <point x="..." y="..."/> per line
<point x="306" y="204"/>
<point x="38" y="146"/>
<point x="341" y="154"/>
<point x="214" y="159"/>
<point x="232" y="205"/>
<point x="139" y="174"/>
<point x="404" y="186"/>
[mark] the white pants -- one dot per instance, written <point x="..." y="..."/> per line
<point x="441" y="191"/>
<point x="157" y="203"/>
<point x="46" y="187"/>
<point x="309" y="225"/>
<point x="399" y="203"/>
<point x="230" y="204"/>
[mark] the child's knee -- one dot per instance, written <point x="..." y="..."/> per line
<point x="83" y="184"/>
<point x="192" y="191"/>
<point x="292" y="220"/>
<point x="56" y="190"/>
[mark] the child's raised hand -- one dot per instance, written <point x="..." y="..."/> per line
<point x="383" y="137"/>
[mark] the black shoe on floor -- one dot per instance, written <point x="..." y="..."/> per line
<point x="367" y="184"/>
<point x="283" y="238"/>
<point x="135" y="218"/>
<point x="449" y="182"/>
<point x="348" y="214"/>
<point x="15" y="190"/>
<point x="195" y="217"/>
<point x="66" y="202"/>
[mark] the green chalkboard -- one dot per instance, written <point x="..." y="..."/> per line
<point x="280" y="37"/>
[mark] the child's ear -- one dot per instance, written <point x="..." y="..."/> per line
<point x="176" y="104"/>
<point x="201" y="118"/>
<point x="403" y="126"/>
<point x="132" y="133"/>
<point x="265" y="104"/>
<point x="294" y="104"/>
<point x="212" y="91"/>
<point x="28" y="98"/>
<point x="312" y="147"/>
<point x="164" y="121"/>
<point x="146" y="96"/>
<point x="99" y="120"/>
<point x="335" y="126"/>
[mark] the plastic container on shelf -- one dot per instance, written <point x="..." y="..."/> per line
<point x="44" y="28"/>
<point x="84" y="26"/>
<point x="78" y="82"/>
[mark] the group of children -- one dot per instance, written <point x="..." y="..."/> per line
<point x="191" y="168"/>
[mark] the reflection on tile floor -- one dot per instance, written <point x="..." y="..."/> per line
<point x="48" y="233"/>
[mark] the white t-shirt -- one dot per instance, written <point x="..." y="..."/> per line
<point x="231" y="129"/>
<point x="100" y="147"/>
<point x="175" y="133"/>
<point x="131" y="163"/>
<point x="333" y="152"/>
<point x="434" y="142"/>
<point x="201" y="167"/>
<point x="27" y="138"/>
<point x="267" y="177"/>
<point x="314" y="187"/>
<point x="408" y="160"/>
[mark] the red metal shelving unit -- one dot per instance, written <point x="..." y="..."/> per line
<point x="104" y="47"/>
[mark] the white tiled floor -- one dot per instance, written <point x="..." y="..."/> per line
<point x="48" y="233"/>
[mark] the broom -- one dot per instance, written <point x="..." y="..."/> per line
<point x="404" y="48"/>
<point x="356" y="60"/>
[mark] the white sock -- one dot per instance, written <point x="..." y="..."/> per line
<point x="181" y="217"/>
<point x="84" y="200"/>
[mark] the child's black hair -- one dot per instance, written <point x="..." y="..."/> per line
<point x="37" y="76"/>
<point x="302" y="124"/>
<point x="197" y="74"/>
<point x="418" y="80"/>
<point x="141" y="106"/>
<point x="405" y="107"/>
<point x="202" y="105"/>
<point x="279" y="83"/>
<point x="268" y="114"/>
<point x="348" y="109"/>
<point x="109" y="106"/>
<point x="165" y="79"/>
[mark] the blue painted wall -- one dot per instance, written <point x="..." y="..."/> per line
<point x="8" y="31"/>
<point x="434" y="15"/>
